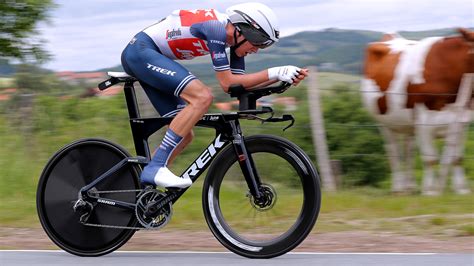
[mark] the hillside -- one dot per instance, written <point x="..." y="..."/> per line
<point x="335" y="50"/>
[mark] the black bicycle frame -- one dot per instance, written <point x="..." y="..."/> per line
<point x="228" y="131"/>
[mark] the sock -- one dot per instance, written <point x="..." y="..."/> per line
<point x="162" y="155"/>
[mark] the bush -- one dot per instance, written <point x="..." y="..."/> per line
<point x="352" y="139"/>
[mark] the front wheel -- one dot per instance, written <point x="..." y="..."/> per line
<point x="279" y="222"/>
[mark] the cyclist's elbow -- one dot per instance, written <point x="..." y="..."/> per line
<point x="225" y="86"/>
<point x="226" y="79"/>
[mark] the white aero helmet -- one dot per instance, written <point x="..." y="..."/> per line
<point x="256" y="22"/>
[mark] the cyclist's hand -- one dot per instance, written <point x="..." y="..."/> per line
<point x="303" y="73"/>
<point x="284" y="73"/>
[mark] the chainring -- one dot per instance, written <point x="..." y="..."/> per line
<point x="163" y="216"/>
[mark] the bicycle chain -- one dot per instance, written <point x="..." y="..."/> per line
<point x="118" y="226"/>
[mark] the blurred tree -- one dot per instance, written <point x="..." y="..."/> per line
<point x="30" y="79"/>
<point x="18" y="20"/>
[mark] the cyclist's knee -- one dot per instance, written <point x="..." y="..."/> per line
<point x="207" y="98"/>
<point x="204" y="97"/>
<point x="198" y="95"/>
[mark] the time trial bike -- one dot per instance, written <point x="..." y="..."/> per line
<point x="261" y="196"/>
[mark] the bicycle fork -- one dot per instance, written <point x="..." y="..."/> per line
<point x="246" y="162"/>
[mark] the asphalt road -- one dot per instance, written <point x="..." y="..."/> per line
<point x="15" y="257"/>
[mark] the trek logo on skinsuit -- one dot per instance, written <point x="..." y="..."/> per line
<point x="204" y="158"/>
<point x="217" y="56"/>
<point x="217" y="41"/>
<point x="172" y="34"/>
<point x="161" y="70"/>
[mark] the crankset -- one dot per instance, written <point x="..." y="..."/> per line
<point x="159" y="217"/>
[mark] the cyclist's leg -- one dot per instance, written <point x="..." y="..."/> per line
<point x="182" y="145"/>
<point x="168" y="105"/>
<point x="159" y="73"/>
<point x="199" y="98"/>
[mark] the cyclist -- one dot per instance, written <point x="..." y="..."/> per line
<point x="174" y="91"/>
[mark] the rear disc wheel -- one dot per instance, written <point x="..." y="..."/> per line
<point x="70" y="169"/>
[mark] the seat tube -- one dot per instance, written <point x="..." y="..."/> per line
<point x="140" y="141"/>
<point x="131" y="98"/>
<point x="245" y="160"/>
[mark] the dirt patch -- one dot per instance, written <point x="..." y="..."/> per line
<point x="349" y="241"/>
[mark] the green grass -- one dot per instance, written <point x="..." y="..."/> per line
<point x="467" y="230"/>
<point x="366" y="210"/>
<point x="6" y="82"/>
<point x="378" y="210"/>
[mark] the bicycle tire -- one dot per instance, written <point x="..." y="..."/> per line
<point x="71" y="168"/>
<point x="262" y="233"/>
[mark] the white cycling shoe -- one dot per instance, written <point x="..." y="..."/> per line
<point x="164" y="178"/>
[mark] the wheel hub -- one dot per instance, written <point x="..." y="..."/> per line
<point x="266" y="201"/>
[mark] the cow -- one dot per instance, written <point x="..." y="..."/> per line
<point x="418" y="91"/>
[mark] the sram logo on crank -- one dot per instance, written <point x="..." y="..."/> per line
<point x="204" y="158"/>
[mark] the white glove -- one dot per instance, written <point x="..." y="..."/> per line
<point x="283" y="73"/>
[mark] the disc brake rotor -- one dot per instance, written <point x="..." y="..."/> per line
<point x="268" y="199"/>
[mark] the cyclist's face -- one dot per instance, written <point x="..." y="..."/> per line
<point x="245" y="49"/>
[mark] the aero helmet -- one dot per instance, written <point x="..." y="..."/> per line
<point x="256" y="22"/>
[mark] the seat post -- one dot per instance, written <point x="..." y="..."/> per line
<point x="131" y="98"/>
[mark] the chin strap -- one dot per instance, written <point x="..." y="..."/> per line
<point x="237" y="45"/>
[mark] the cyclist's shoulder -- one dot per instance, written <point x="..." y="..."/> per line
<point x="189" y="17"/>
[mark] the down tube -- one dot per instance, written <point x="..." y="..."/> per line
<point x="204" y="160"/>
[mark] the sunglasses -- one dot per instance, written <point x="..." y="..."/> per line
<point x="255" y="37"/>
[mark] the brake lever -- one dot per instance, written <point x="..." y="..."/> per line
<point x="281" y="119"/>
<point x="282" y="88"/>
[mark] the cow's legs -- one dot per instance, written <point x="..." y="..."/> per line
<point x="395" y="158"/>
<point x="410" y="182"/>
<point x="452" y="157"/>
<point x="429" y="154"/>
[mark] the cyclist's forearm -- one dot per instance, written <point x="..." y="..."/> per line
<point x="226" y="79"/>
<point x="264" y="84"/>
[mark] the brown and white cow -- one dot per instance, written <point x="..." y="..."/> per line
<point x="421" y="90"/>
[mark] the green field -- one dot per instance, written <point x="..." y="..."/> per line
<point x="28" y="143"/>
<point x="6" y="82"/>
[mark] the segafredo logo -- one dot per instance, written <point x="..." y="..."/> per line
<point x="171" y="34"/>
<point x="218" y="56"/>
<point x="204" y="158"/>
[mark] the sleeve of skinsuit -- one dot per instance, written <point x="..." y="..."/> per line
<point x="214" y="33"/>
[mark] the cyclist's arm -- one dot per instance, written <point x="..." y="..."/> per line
<point x="265" y="84"/>
<point x="226" y="79"/>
